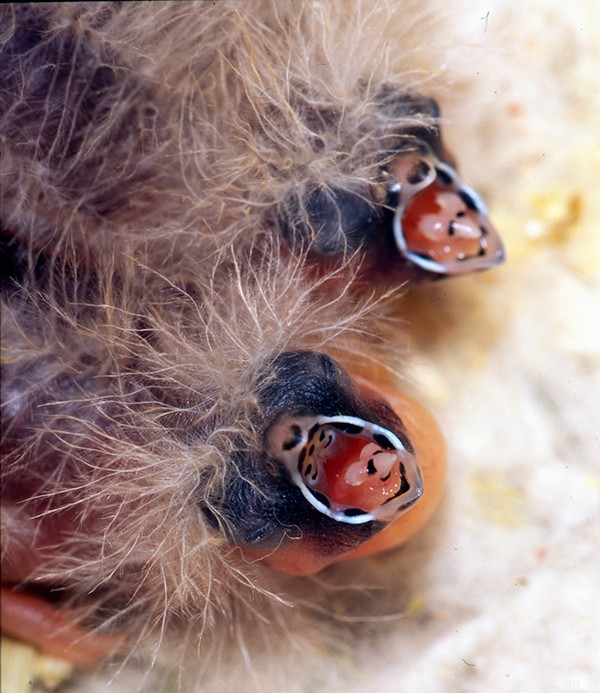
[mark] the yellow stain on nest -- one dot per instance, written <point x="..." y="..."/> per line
<point x="430" y="382"/>
<point x="417" y="604"/>
<point x="592" y="481"/>
<point x="567" y="220"/>
<point x="500" y="503"/>
<point x="551" y="218"/>
<point x="22" y="665"/>
<point x="558" y="216"/>
<point x="477" y="355"/>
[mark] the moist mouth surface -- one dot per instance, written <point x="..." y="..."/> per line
<point x="347" y="468"/>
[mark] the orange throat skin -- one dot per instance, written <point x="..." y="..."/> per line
<point x="303" y="556"/>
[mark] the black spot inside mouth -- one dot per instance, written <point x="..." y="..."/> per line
<point x="312" y="431"/>
<point x="353" y="512"/>
<point x="308" y="470"/>
<point x="443" y="177"/>
<point x="451" y="226"/>
<point x="322" y="498"/>
<point x="468" y="200"/>
<point x="383" y="441"/>
<point x="483" y="242"/>
<point x="404" y="486"/>
<point x="353" y="429"/>
<point x="371" y="469"/>
<point x="423" y="256"/>
<point x="302" y="456"/>
<point x="419" y="173"/>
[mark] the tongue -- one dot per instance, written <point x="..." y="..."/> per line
<point x="351" y="471"/>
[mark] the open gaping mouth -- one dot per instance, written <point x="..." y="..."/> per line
<point x="441" y="224"/>
<point x="347" y="468"/>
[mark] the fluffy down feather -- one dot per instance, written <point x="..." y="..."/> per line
<point x="159" y="169"/>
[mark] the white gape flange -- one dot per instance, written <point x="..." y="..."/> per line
<point x="298" y="441"/>
<point x="415" y="172"/>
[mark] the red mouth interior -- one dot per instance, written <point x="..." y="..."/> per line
<point x="351" y="471"/>
<point x="437" y="224"/>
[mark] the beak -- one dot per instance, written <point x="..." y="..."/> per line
<point x="347" y="468"/>
<point x="441" y="224"/>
